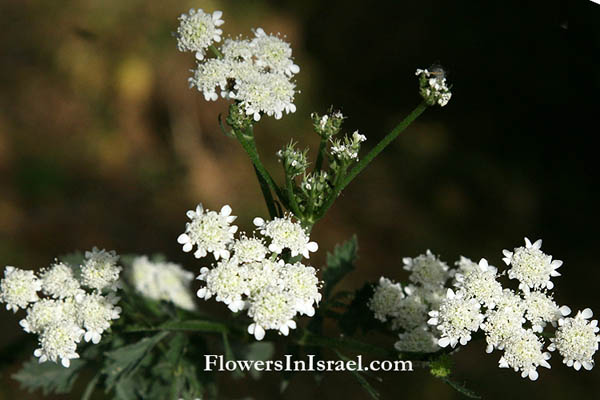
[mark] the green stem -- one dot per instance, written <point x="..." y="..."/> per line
<point x="320" y="156"/>
<point x="266" y="191"/>
<point x="389" y="138"/>
<point x="290" y="194"/>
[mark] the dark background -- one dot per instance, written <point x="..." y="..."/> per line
<point x="101" y="143"/>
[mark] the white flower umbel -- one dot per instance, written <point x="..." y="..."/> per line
<point x="524" y="352"/>
<point x="198" y="30"/>
<point x="249" y="249"/>
<point x="272" y="308"/>
<point x="531" y="266"/>
<point x="100" y="270"/>
<point x="94" y="314"/>
<point x="59" y="281"/>
<point x="285" y="233"/>
<point x="348" y="148"/>
<point x="504" y="320"/>
<point x="209" y="231"/>
<point x="162" y="281"/>
<point x="386" y="299"/>
<point x="210" y="76"/>
<point x="456" y="319"/>
<point x="227" y="281"/>
<point x="541" y="309"/>
<point x="302" y="283"/>
<point x="47" y="312"/>
<point x="59" y="342"/>
<point x="419" y="339"/>
<point x="262" y="274"/>
<point x="577" y="340"/>
<point x="237" y="50"/>
<point x="427" y="270"/>
<point x="411" y="311"/>
<point x="273" y="54"/>
<point x="19" y="288"/>
<point x="481" y="284"/>
<point x="433" y="86"/>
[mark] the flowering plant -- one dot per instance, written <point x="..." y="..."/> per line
<point x="132" y="321"/>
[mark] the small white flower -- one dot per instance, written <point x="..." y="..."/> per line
<point x="481" y="284"/>
<point x="419" y="340"/>
<point x="209" y="76"/>
<point x="456" y="319"/>
<point x="577" y="340"/>
<point x="249" y="249"/>
<point x="19" y="288"/>
<point x="285" y="233"/>
<point x="386" y="299"/>
<point x="47" y="312"/>
<point x="162" y="281"/>
<point x="272" y="308"/>
<point x="198" y="30"/>
<point x="59" y="282"/>
<point x="302" y="283"/>
<point x="532" y="267"/>
<point x="410" y="312"/>
<point x="237" y="50"/>
<point x="427" y="270"/>
<point x="100" y="270"/>
<point x="433" y="86"/>
<point x="541" y="309"/>
<point x="227" y="281"/>
<point x="273" y="54"/>
<point x="95" y="313"/>
<point x="59" y="341"/>
<point x="524" y="352"/>
<point x="210" y="231"/>
<point x="502" y="322"/>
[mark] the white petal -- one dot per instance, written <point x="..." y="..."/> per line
<point x="444" y="342"/>
<point x="216" y="15"/>
<point x="565" y="310"/>
<point x="312" y="246"/>
<point x="66" y="362"/>
<point x="188" y="247"/>
<point x="259" y="332"/>
<point x="183" y="238"/>
<point x="258" y="221"/>
<point x="284" y="329"/>
<point x="226" y="210"/>
<point x="587" y="313"/>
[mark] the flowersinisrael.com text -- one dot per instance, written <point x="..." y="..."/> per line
<point x="214" y="362"/>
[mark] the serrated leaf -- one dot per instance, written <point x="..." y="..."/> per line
<point x="124" y="361"/>
<point x="48" y="376"/>
<point x="339" y="263"/>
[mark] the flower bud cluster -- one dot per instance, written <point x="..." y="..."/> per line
<point x="327" y="125"/>
<point x="294" y="161"/>
<point x="64" y="305"/>
<point x="433" y="87"/>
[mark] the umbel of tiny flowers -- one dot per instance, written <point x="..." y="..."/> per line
<point x="531" y="266"/>
<point x="198" y="30"/>
<point x="209" y="231"/>
<point x="257" y="73"/>
<point x="68" y="313"/>
<point x="164" y="281"/>
<point x="433" y="86"/>
<point x="254" y="278"/>
<point x="576" y="340"/>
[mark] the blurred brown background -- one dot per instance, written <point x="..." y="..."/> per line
<point x="102" y="143"/>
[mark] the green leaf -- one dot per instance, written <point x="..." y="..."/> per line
<point x="358" y="315"/>
<point x="461" y="388"/>
<point x="123" y="362"/>
<point x="190" y="325"/>
<point x="340" y="263"/>
<point x="48" y="376"/>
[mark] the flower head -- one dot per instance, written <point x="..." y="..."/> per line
<point x="419" y="339"/>
<point x="531" y="266"/>
<point x="285" y="233"/>
<point x="427" y="270"/>
<point x="19" y="288"/>
<point x="209" y="231"/>
<point x="59" y="341"/>
<point x="386" y="299"/>
<point x="433" y="86"/>
<point x="272" y="308"/>
<point x="94" y="314"/>
<point x="45" y="313"/>
<point x="541" y="309"/>
<point x="100" y="270"/>
<point x="577" y="340"/>
<point x="480" y="283"/>
<point x="59" y="282"/>
<point x="227" y="281"/>
<point x="273" y="54"/>
<point x="524" y="352"/>
<point x="211" y="75"/>
<point x="198" y="30"/>
<point x="456" y="319"/>
<point x="302" y="283"/>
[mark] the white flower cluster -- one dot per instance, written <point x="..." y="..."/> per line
<point x="249" y="273"/>
<point x="512" y="321"/>
<point x="162" y="281"/>
<point x="255" y="72"/>
<point x="70" y="306"/>
<point x="433" y="87"/>
<point x="407" y="308"/>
